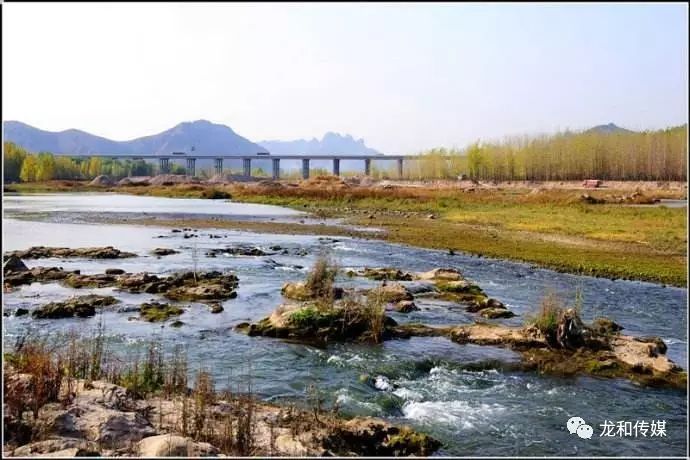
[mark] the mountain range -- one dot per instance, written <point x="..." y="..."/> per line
<point x="204" y="137"/>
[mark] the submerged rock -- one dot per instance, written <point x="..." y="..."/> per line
<point x="216" y="308"/>
<point x="237" y="251"/>
<point x="82" y="306"/>
<point x="404" y="306"/>
<point x="156" y="312"/>
<point x="493" y="313"/>
<point x="40" y="252"/>
<point x="164" y="252"/>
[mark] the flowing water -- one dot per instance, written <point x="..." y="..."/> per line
<point x="469" y="397"/>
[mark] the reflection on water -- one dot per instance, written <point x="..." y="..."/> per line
<point x="472" y="398"/>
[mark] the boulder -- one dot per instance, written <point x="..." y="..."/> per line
<point x="58" y="447"/>
<point x="494" y="313"/>
<point x="156" y="311"/>
<point x="81" y="306"/>
<point x="385" y="274"/>
<point x="605" y="326"/>
<point x="216" y="307"/>
<point x="13" y="264"/>
<point x="114" y="271"/>
<point x="170" y="445"/>
<point x="440" y="274"/>
<point x="101" y="181"/>
<point x="391" y="292"/>
<point x="405" y="306"/>
<point x="40" y="252"/>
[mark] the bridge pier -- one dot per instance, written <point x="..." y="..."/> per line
<point x="336" y="166"/>
<point x="276" y="168"/>
<point x="367" y="167"/>
<point x="164" y="165"/>
<point x="400" y="168"/>
<point x="218" y="166"/>
<point x="191" y="167"/>
<point x="305" y="168"/>
<point x="247" y="167"/>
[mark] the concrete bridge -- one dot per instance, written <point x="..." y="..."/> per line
<point x="164" y="161"/>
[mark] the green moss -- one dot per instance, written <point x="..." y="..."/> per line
<point x="156" y="312"/>
<point x="311" y="317"/>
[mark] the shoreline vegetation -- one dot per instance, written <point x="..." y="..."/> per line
<point x="605" y="231"/>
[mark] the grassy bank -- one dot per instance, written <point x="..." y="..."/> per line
<point x="550" y="228"/>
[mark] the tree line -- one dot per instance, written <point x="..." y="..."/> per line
<point x="19" y="165"/>
<point x="651" y="155"/>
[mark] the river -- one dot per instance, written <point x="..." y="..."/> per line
<point x="461" y="394"/>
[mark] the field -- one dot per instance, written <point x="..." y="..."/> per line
<point x="550" y="227"/>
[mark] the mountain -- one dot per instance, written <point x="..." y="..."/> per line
<point x="609" y="129"/>
<point x="207" y="139"/>
<point x="330" y="144"/>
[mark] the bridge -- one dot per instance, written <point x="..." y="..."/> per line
<point x="164" y="161"/>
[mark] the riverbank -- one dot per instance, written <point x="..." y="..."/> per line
<point x="593" y="232"/>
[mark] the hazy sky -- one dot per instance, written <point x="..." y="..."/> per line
<point x="403" y="77"/>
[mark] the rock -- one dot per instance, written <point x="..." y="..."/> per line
<point x="81" y="306"/>
<point x="237" y="251"/>
<point x="78" y="281"/>
<point x="164" y="252"/>
<point x="493" y="313"/>
<point x="405" y="306"/>
<point x="21" y="312"/>
<point x="345" y="321"/>
<point x="296" y="291"/>
<point x="485" y="303"/>
<point x="156" y="311"/>
<point x="300" y="291"/>
<point x="391" y="292"/>
<point x="13" y="264"/>
<point x="570" y="330"/>
<point x="385" y="274"/>
<point x="605" y="326"/>
<point x="101" y="181"/>
<point x="170" y="445"/>
<point x="39" y="252"/>
<point x="58" y="447"/>
<point x="114" y="271"/>
<point x="440" y="274"/>
<point x="431" y="216"/>
<point x="216" y="308"/>
<point x="366" y="436"/>
<point x="177" y="323"/>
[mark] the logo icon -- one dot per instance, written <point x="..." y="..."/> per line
<point x="577" y="425"/>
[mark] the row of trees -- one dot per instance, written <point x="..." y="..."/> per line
<point x="652" y="155"/>
<point x="20" y="165"/>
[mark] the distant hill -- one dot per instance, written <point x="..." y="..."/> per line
<point x="609" y="129"/>
<point x="330" y="144"/>
<point x="207" y="139"/>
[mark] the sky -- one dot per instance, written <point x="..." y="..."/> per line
<point x="405" y="77"/>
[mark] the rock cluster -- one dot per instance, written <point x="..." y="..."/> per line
<point x="42" y="252"/>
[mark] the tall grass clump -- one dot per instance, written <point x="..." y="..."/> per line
<point x="321" y="280"/>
